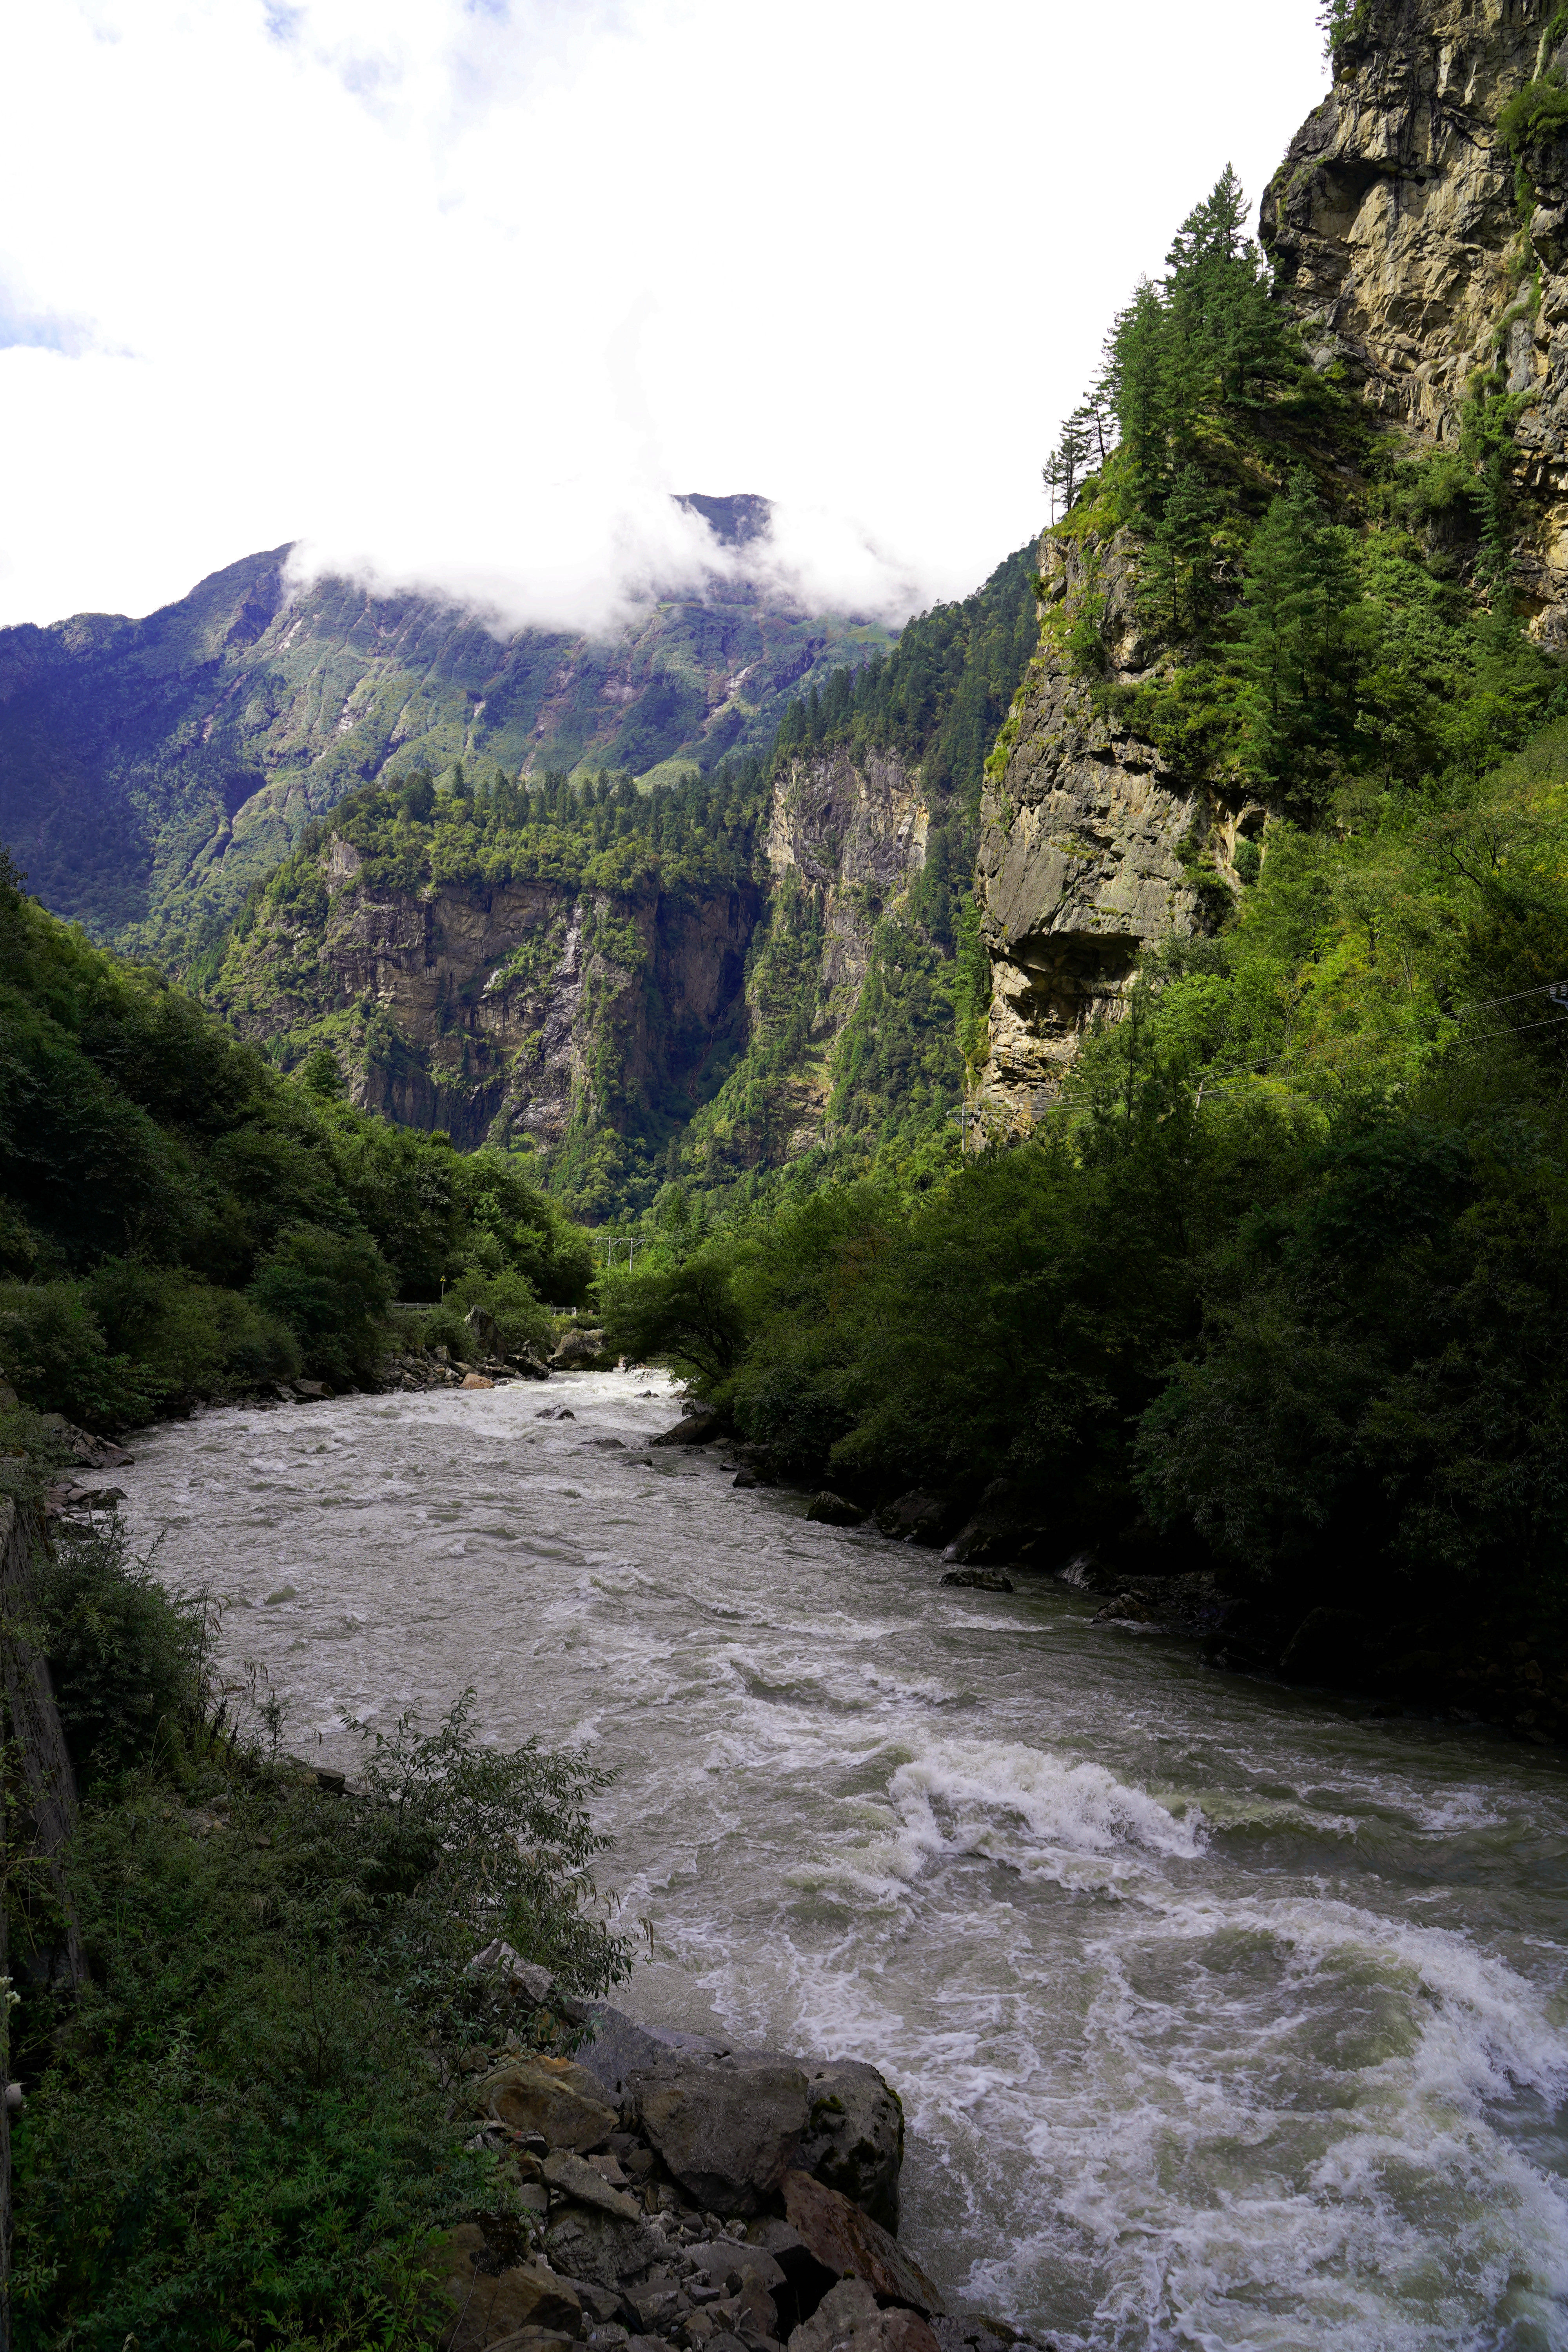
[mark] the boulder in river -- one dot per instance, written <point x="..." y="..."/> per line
<point x="846" y="2241"/>
<point x="920" y="1518"/>
<point x="579" y="1351"/>
<point x="697" y="1429"/>
<point x="980" y="1580"/>
<point x="1006" y="1526"/>
<point x="855" y="2135"/>
<point x="728" y="2128"/>
<point x="831" y="1510"/>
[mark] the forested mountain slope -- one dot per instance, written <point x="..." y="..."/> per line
<point x="176" y="1220"/>
<point x="1254" y="1312"/>
<point x="151" y="770"/>
<point x="1324" y="561"/>
<point x="712" y="978"/>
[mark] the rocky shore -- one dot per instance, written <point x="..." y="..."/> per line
<point x="1497" y="1684"/>
<point x="668" y="2193"/>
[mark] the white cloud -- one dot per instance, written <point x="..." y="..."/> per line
<point x="458" y="294"/>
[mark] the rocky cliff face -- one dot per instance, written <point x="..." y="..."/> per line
<point x="600" y="1025"/>
<point x="493" y="1013"/>
<point x="1416" y="250"/>
<point x="1079" y="860"/>
<point x="1413" y="255"/>
<point x="850" y="832"/>
<point x="151" y="770"/>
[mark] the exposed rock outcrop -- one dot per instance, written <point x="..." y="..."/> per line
<point x="1409" y="249"/>
<point x="672" y="2191"/>
<point x="1412" y="256"/>
<point x="1079" y="859"/>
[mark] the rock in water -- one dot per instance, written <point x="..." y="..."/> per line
<point x="1006" y="1526"/>
<point x="980" y="1580"/>
<point x="848" y="2242"/>
<point x="728" y="2128"/>
<point x="697" y="1429"/>
<point x="578" y="1352"/>
<point x="920" y="1518"/>
<point x="833" y="1511"/>
<point x="550" y="2095"/>
<point x="855" y="2137"/>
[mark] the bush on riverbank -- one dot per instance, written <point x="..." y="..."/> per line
<point x="1281" y="1287"/>
<point x="240" y="2127"/>
<point x="179" y="1221"/>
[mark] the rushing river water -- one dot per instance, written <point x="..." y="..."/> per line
<point x="1221" y="2017"/>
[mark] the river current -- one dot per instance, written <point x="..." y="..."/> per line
<point x="1223" y="2015"/>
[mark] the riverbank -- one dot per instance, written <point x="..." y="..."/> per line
<point x="999" y="1540"/>
<point x="636" y="2186"/>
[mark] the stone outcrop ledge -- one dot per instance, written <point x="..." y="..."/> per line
<point x="683" y="2194"/>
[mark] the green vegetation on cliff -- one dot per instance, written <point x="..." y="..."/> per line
<point x="1325" y="615"/>
<point x="827" y="1033"/>
<point x="176" y="1220"/>
<point x="1280" y="1290"/>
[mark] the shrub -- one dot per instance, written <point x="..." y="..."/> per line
<point x="56" y="1357"/>
<point x="509" y="1297"/>
<point x="187" y="1338"/>
<point x="330" y="1289"/>
<point x="124" y="1655"/>
<point x="241" y="2127"/>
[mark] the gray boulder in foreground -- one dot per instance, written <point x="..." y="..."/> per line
<point x="699" y="1428"/>
<point x="729" y="2128"/>
<point x="850" y="2134"/>
<point x="850" y="2316"/>
<point x="855" y="2135"/>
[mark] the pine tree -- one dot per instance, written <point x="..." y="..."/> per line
<point x="1307" y="636"/>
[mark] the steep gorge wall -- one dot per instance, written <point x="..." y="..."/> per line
<point x="541" y="1012"/>
<point x="1415" y="254"/>
<point x="489" y="1011"/>
<point x="1400" y="245"/>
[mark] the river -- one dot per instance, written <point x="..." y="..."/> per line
<point x="1223" y="2016"/>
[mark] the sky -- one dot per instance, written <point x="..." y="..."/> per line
<point x="456" y="293"/>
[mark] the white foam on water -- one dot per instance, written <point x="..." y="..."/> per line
<point x="1034" y="1811"/>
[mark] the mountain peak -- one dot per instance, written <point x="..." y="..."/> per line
<point x="735" y="520"/>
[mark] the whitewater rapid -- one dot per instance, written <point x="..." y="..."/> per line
<point x="1224" y="2017"/>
